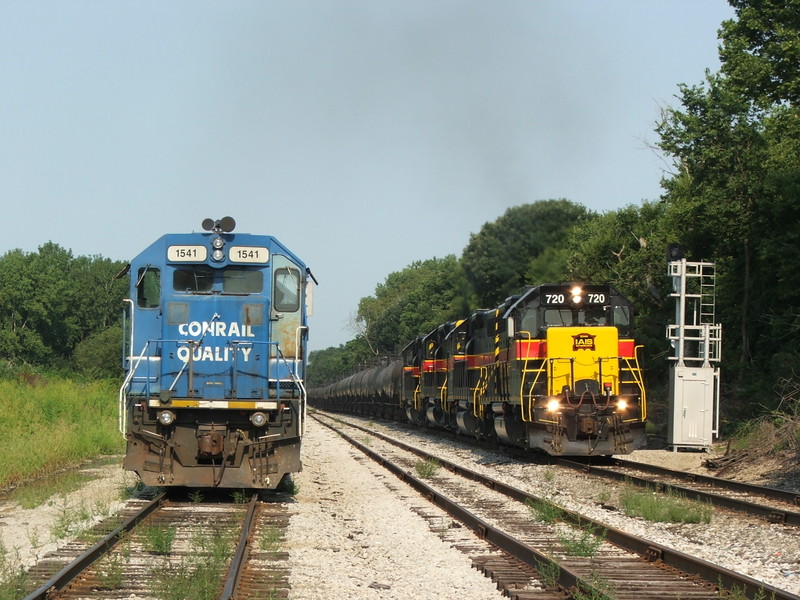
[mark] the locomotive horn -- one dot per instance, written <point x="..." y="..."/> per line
<point x="225" y="224"/>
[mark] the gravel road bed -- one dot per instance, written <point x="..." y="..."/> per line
<point x="355" y="532"/>
<point x="353" y="537"/>
<point x="767" y="552"/>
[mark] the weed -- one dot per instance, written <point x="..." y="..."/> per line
<point x="549" y="572"/>
<point x="743" y="593"/>
<point x="597" y="588"/>
<point x="583" y="542"/>
<point x="241" y="496"/>
<point x="158" y="538"/>
<point x="287" y="485"/>
<point x="14" y="581"/>
<point x="544" y="511"/>
<point x="196" y="496"/>
<point x="671" y="507"/>
<point x="199" y="577"/>
<point x="366" y="440"/>
<point x="549" y="475"/>
<point x="69" y="520"/>
<point x="129" y="491"/>
<point x="270" y="540"/>
<point x="109" y="572"/>
<point x="426" y="469"/>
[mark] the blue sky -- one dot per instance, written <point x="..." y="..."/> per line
<point x="365" y="135"/>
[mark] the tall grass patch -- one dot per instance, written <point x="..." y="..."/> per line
<point x="669" y="507"/>
<point x="55" y="422"/>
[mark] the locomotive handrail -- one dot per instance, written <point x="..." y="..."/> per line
<point x="125" y="383"/>
<point x="636" y="372"/>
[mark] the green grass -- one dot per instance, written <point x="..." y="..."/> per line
<point x="55" y="422"/>
<point x="158" y="539"/>
<point x="668" y="507"/>
<point x="197" y="577"/>
<point x="427" y="468"/>
<point x="582" y="542"/>
<point x="544" y="511"/>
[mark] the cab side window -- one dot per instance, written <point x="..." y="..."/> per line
<point x="148" y="287"/>
<point x="286" y="289"/>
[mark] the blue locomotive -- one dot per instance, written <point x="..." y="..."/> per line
<point x="215" y="359"/>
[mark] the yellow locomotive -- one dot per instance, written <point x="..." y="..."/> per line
<point x="554" y="368"/>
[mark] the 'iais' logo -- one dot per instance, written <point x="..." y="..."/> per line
<point x="583" y="341"/>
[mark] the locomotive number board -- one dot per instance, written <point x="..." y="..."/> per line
<point x="249" y="254"/>
<point x="187" y="253"/>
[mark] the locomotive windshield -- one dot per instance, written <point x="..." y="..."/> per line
<point x="540" y="318"/>
<point x="199" y="279"/>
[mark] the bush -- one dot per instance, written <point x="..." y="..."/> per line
<point x="100" y="354"/>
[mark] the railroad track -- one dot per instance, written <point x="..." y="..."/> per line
<point x="772" y="504"/>
<point x="227" y="550"/>
<point x="621" y="565"/>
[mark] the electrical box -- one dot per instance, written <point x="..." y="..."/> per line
<point x="693" y="392"/>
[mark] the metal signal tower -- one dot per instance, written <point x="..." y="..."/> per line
<point x="696" y="342"/>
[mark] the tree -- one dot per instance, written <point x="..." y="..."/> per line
<point x="411" y="302"/>
<point x="761" y="51"/>
<point x="51" y="301"/>
<point x="497" y="259"/>
<point x="334" y="363"/>
<point x="735" y="144"/>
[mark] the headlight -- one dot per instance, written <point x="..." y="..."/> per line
<point x="258" y="419"/>
<point x="553" y="405"/>
<point x="622" y="404"/>
<point x="218" y="242"/>
<point x="166" y="417"/>
<point x="217" y="255"/>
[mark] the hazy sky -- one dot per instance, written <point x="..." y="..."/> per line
<point x="365" y="135"/>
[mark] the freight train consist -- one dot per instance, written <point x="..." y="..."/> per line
<point x="215" y="356"/>
<point x="553" y="369"/>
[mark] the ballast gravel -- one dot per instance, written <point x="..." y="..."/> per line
<point x="356" y="531"/>
<point x="767" y="552"/>
<point x="353" y="537"/>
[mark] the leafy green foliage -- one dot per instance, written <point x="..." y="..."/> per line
<point x="735" y="146"/>
<point x="51" y="301"/>
<point x="100" y="354"/>
<point x="334" y="363"/>
<point x="55" y="422"/>
<point x="411" y="302"/>
<point x="498" y="260"/>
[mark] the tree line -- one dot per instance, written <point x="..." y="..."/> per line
<point x="61" y="311"/>
<point x="731" y="196"/>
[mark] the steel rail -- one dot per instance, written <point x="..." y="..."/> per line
<point x="240" y="556"/>
<point x="567" y="579"/>
<point x="651" y="551"/>
<point x="67" y="574"/>
<point x="772" y="514"/>
<point x="728" y="484"/>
